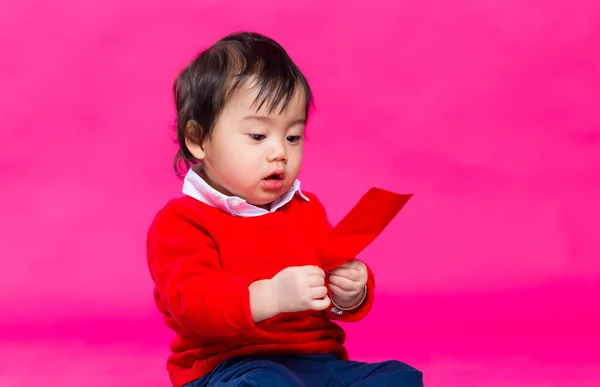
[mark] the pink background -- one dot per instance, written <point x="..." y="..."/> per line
<point x="487" y="111"/>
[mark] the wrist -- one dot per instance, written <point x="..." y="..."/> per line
<point x="263" y="303"/>
<point x="274" y="307"/>
<point x="349" y="305"/>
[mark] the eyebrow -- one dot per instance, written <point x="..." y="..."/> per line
<point x="270" y="120"/>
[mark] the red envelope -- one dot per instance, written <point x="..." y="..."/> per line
<point x="369" y="217"/>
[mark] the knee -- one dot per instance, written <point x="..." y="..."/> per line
<point x="398" y="366"/>
<point x="403" y="374"/>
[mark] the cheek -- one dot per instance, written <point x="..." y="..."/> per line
<point x="223" y="165"/>
<point x="242" y="165"/>
<point x="226" y="154"/>
<point x="296" y="154"/>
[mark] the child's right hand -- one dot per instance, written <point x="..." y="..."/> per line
<point x="300" y="288"/>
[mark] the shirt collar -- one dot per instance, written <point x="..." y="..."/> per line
<point x="196" y="187"/>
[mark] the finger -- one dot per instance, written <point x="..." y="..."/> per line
<point x="316" y="280"/>
<point x="343" y="283"/>
<point x="351" y="274"/>
<point x="320" y="304"/>
<point x="352" y="264"/>
<point x="319" y="292"/>
<point x="356" y="264"/>
<point x="338" y="291"/>
<point x="315" y="270"/>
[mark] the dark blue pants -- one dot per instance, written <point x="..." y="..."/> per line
<point x="308" y="371"/>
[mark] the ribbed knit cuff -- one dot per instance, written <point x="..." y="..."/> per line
<point x="236" y="304"/>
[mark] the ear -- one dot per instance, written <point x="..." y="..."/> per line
<point x="193" y="146"/>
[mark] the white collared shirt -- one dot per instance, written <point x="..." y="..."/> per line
<point x="196" y="187"/>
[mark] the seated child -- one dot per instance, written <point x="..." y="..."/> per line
<point x="234" y="261"/>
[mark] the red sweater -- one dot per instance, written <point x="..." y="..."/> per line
<point x="202" y="261"/>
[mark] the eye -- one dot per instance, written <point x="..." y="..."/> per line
<point x="257" y="137"/>
<point x="294" y="139"/>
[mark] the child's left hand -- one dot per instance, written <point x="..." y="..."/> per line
<point x="347" y="283"/>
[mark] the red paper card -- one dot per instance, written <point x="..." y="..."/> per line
<point x="367" y="219"/>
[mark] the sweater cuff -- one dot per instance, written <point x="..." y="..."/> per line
<point x="236" y="305"/>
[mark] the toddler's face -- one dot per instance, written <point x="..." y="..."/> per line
<point x="255" y="155"/>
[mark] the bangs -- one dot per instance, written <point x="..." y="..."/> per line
<point x="269" y="73"/>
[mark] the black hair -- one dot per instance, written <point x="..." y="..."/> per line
<point x="204" y="87"/>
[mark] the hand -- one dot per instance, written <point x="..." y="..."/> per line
<point x="300" y="288"/>
<point x="347" y="283"/>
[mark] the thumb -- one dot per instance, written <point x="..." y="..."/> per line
<point x="321" y="304"/>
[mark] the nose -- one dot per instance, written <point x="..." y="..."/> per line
<point x="278" y="153"/>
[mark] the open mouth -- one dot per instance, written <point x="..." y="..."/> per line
<point x="275" y="176"/>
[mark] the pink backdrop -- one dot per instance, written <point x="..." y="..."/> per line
<point x="487" y="111"/>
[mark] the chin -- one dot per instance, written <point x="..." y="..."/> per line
<point x="264" y="200"/>
<point x="265" y="204"/>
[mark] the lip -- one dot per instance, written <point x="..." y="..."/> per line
<point x="279" y="173"/>
<point x="272" y="185"/>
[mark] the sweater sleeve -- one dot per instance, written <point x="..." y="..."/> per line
<point x="324" y="227"/>
<point x="189" y="284"/>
